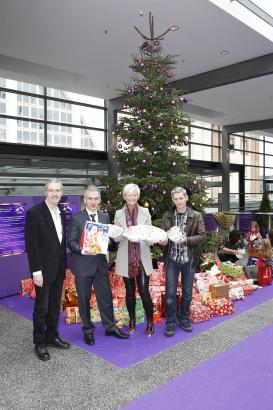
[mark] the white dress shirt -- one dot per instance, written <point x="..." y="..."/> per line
<point x="93" y="213"/>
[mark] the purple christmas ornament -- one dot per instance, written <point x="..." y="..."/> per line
<point x="183" y="99"/>
<point x="145" y="45"/>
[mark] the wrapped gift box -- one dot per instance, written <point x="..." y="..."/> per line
<point x="69" y="282"/>
<point x="219" y="290"/>
<point x="139" y="313"/>
<point x="248" y="290"/>
<point x="199" y="312"/>
<point x="26" y="286"/>
<point x="70" y="298"/>
<point x="236" y="293"/>
<point x="95" y="315"/>
<point x="220" y="307"/>
<point x="72" y="315"/>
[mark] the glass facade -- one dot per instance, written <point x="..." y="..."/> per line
<point x="32" y="114"/>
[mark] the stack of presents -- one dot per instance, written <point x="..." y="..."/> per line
<point x="216" y="286"/>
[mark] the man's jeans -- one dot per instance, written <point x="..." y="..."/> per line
<point x="187" y="274"/>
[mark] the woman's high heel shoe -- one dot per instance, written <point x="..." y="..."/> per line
<point x="132" y="326"/>
<point x="150" y="329"/>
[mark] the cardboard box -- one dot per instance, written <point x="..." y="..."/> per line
<point x="219" y="290"/>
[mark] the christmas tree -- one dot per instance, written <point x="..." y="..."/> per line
<point x="265" y="206"/>
<point x="150" y="135"/>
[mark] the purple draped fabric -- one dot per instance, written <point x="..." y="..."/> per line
<point x="244" y="221"/>
<point x="210" y="223"/>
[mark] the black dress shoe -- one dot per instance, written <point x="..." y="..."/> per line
<point x="89" y="339"/>
<point x="58" y="343"/>
<point x="117" y="333"/>
<point x="185" y="325"/>
<point x="170" y="329"/>
<point x="41" y="352"/>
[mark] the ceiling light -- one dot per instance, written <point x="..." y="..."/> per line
<point x="224" y="52"/>
<point x="174" y="28"/>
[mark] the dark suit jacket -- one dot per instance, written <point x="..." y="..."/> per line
<point x="45" y="252"/>
<point x="84" y="264"/>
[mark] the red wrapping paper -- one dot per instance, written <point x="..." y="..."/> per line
<point x="248" y="290"/>
<point x="199" y="312"/>
<point x="69" y="282"/>
<point x="220" y="307"/>
<point x="26" y="286"/>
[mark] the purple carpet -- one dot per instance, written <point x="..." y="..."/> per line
<point x="124" y="353"/>
<point x="239" y="378"/>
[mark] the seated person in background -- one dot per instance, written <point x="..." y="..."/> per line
<point x="232" y="247"/>
<point x="254" y="239"/>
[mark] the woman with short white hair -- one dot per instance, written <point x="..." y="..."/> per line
<point x="134" y="261"/>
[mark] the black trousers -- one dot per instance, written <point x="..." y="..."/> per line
<point x="47" y="309"/>
<point x="143" y="287"/>
<point x="100" y="281"/>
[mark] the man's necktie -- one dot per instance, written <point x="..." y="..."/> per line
<point x="92" y="216"/>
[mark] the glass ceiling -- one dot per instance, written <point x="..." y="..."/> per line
<point x="257" y="14"/>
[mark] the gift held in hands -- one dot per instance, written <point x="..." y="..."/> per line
<point x="149" y="233"/>
<point x="95" y="238"/>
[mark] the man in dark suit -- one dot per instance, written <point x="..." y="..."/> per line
<point x="92" y="270"/>
<point x="46" y="249"/>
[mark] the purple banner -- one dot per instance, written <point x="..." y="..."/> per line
<point x="12" y="222"/>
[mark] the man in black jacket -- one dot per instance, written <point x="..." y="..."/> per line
<point x="92" y="270"/>
<point x="46" y="249"/>
<point x="181" y="256"/>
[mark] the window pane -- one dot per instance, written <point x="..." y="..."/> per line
<point x="254" y="159"/>
<point x="268" y="160"/>
<point x="201" y="152"/>
<point x="269" y="148"/>
<point x="236" y="157"/>
<point x="253" y="172"/>
<point x="254" y="145"/>
<point x="29" y="88"/>
<point x="23" y="107"/>
<point x="236" y="140"/>
<point x="269" y="172"/>
<point x="268" y="138"/>
<point x="23" y="132"/>
<point x="75" y="138"/>
<point x="67" y="95"/>
<point x="202" y="136"/>
<point x="78" y="115"/>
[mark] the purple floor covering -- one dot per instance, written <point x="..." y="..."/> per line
<point x="239" y="378"/>
<point x="125" y="353"/>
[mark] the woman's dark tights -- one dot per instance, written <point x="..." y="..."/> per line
<point x="143" y="289"/>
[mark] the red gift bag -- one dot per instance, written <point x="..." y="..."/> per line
<point x="264" y="273"/>
<point x="163" y="304"/>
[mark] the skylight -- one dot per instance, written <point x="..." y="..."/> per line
<point x="257" y="14"/>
